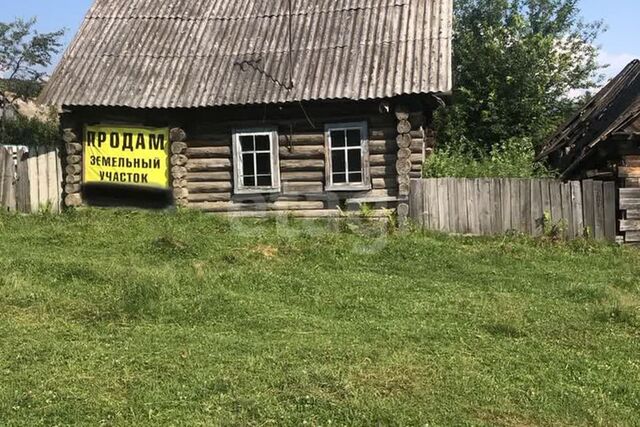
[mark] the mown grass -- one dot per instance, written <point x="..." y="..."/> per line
<point x="131" y="318"/>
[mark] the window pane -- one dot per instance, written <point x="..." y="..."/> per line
<point x="264" y="181"/>
<point x="247" y="164"/>
<point x="262" y="143"/>
<point x="249" y="181"/>
<point x="337" y="138"/>
<point x="339" y="178"/>
<point x="355" y="177"/>
<point x="246" y="142"/>
<point x="264" y="163"/>
<point x="337" y="161"/>
<point x="355" y="161"/>
<point x="353" y="137"/>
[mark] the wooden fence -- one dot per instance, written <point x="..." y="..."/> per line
<point x="497" y="206"/>
<point x="30" y="179"/>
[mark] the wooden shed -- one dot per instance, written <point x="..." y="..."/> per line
<point x="250" y="106"/>
<point x="602" y="141"/>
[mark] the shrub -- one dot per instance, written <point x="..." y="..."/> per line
<point x="514" y="158"/>
<point x="30" y="131"/>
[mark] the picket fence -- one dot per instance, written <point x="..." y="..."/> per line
<point x="497" y="206"/>
<point x="30" y="179"/>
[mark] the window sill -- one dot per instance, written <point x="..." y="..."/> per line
<point x="257" y="190"/>
<point x="349" y="188"/>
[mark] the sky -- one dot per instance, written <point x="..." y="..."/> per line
<point x="619" y="44"/>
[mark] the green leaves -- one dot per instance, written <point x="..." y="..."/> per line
<point x="516" y="63"/>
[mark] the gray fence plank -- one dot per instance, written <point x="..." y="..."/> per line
<point x="598" y="209"/>
<point x="587" y="207"/>
<point x="610" y="213"/>
<point x="416" y="206"/>
<point x="443" y="205"/>
<point x="433" y="214"/>
<point x="472" y="206"/>
<point x="537" y="208"/>
<point x="463" y="215"/>
<point x="515" y="205"/>
<point x="577" y="209"/>
<point x="7" y="175"/>
<point x="505" y="205"/>
<point x="525" y="206"/>
<point x="23" y="197"/>
<point x="556" y="202"/>
<point x="452" y="201"/>
<point x="567" y="223"/>
<point x="496" y="206"/>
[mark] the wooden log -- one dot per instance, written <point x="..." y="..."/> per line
<point x="382" y="183"/>
<point x="208" y="176"/>
<point x="222" y="141"/>
<point x="72" y="188"/>
<point x="390" y="133"/>
<point x="402" y="112"/>
<point x="209" y="152"/>
<point x="73" y="148"/>
<point x="209" y="187"/>
<point x="301" y="165"/>
<point x="177" y="135"/>
<point x="178" y="172"/>
<point x="298" y="139"/>
<point x="303" y="152"/>
<point x="302" y="187"/>
<point x="403" y="167"/>
<point x="404" y="153"/>
<point x="73" y="200"/>
<point x="383" y="146"/>
<point x="73" y="159"/>
<point x="382" y="159"/>
<point x="178" y="147"/>
<point x="404" y="126"/>
<point x="180" y="193"/>
<point x="630" y="225"/>
<point x="179" y="183"/>
<point x="383" y="171"/>
<point x="417" y="146"/>
<point x="208" y="165"/>
<point x="303" y="176"/>
<point x="403" y="179"/>
<point x="297" y="205"/>
<point x="179" y="160"/>
<point x="74" y="169"/>
<point x="209" y="197"/>
<point x="69" y="136"/>
<point x="404" y="140"/>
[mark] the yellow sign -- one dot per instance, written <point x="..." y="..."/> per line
<point x="123" y="155"/>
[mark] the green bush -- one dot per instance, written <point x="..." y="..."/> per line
<point x="514" y="158"/>
<point x="30" y="131"/>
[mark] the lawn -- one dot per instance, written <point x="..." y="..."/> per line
<point x="129" y="318"/>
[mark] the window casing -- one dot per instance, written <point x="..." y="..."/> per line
<point x="256" y="162"/>
<point x="347" y="157"/>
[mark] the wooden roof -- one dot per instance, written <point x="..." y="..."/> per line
<point x="615" y="110"/>
<point x="199" y="53"/>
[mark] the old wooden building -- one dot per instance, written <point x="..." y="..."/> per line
<point x="602" y="141"/>
<point x="302" y="106"/>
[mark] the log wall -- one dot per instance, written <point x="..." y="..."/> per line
<point x="202" y="162"/>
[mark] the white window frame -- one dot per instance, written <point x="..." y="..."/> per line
<point x="365" y="185"/>
<point x="238" y="168"/>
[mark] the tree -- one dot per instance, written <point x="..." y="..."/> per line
<point x="25" y="54"/>
<point x="516" y="64"/>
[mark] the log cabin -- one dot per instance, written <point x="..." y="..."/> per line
<point x="602" y="141"/>
<point x="301" y="107"/>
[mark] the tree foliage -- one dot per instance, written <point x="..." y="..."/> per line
<point x="25" y="54"/>
<point x="516" y="62"/>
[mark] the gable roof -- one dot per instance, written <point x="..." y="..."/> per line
<point x="614" y="110"/>
<point x="198" y="53"/>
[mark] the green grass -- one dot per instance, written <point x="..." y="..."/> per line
<point x="129" y="318"/>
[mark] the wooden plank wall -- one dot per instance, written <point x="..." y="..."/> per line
<point x="629" y="200"/>
<point x="30" y="179"/>
<point x="497" y="206"/>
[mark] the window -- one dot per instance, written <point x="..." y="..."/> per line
<point x="347" y="157"/>
<point x="256" y="164"/>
